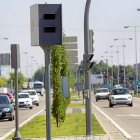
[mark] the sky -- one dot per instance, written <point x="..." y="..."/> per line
<point x="107" y="19"/>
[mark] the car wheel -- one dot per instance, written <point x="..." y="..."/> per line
<point x="12" y="118"/>
<point x="131" y="104"/>
<point x="37" y="104"/>
<point x="110" y="104"/>
<point x="31" y="107"/>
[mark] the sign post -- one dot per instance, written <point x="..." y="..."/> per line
<point x="46" y="31"/>
<point x="15" y="64"/>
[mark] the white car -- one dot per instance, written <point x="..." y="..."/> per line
<point x="102" y="93"/>
<point x="33" y="95"/>
<point x="120" y="96"/>
<point x="24" y="100"/>
<point x="118" y="86"/>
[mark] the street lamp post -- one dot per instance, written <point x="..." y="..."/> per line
<point x="135" y="52"/>
<point x="106" y="69"/>
<point x="118" y="59"/>
<point x="123" y="55"/>
<point x="112" y="63"/>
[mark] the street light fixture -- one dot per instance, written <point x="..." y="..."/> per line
<point x="123" y="53"/>
<point x="135" y="53"/>
<point x="4" y="38"/>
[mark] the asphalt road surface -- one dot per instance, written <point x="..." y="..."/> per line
<point x="128" y="118"/>
<point x="24" y="113"/>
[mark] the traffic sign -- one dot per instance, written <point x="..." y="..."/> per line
<point x="71" y="46"/>
<point x="136" y="82"/>
<point x="72" y="52"/>
<point x="72" y="59"/>
<point x="73" y="67"/>
<point x="70" y="39"/>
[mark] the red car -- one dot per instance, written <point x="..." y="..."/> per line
<point x="8" y="94"/>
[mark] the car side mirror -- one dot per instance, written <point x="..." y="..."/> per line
<point x="12" y="101"/>
<point x="132" y="93"/>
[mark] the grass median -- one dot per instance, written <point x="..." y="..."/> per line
<point x="74" y="125"/>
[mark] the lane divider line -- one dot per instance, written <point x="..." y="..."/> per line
<point x="13" y="130"/>
<point x="114" y="123"/>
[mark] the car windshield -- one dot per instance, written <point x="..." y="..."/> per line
<point x="120" y="91"/>
<point x="30" y="92"/>
<point x="23" y="96"/>
<point x="4" y="100"/>
<point x="101" y="90"/>
<point x="38" y="86"/>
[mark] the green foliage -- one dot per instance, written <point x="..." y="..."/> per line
<point x="21" y="80"/>
<point x="2" y="81"/>
<point x="57" y="105"/>
<point x="75" y="124"/>
<point x="39" y="74"/>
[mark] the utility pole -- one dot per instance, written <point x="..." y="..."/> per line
<point x="87" y="65"/>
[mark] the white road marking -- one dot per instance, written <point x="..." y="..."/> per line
<point x="13" y="130"/>
<point x="114" y="123"/>
<point x="135" y="134"/>
<point x="130" y="115"/>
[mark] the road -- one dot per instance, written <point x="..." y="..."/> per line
<point x="126" y="117"/>
<point x="24" y="113"/>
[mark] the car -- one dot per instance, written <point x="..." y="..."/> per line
<point x="33" y="95"/>
<point x="102" y="93"/>
<point x="135" y="90"/>
<point x="24" y="100"/>
<point x="118" y="86"/>
<point x="6" y="108"/>
<point x="9" y="95"/>
<point x="51" y="91"/>
<point x="120" y="96"/>
<point x="95" y="90"/>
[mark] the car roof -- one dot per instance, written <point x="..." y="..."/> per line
<point x="119" y="88"/>
<point x="4" y="95"/>
<point x="102" y="88"/>
<point x="23" y="93"/>
<point x="29" y="90"/>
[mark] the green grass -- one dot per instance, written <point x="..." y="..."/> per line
<point x="136" y="96"/>
<point x="75" y="124"/>
<point x="74" y="96"/>
<point x="76" y="105"/>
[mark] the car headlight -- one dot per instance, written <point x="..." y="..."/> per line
<point x="129" y="97"/>
<point x="112" y="98"/>
<point x="6" y="109"/>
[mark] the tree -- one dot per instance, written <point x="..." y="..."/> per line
<point x="2" y="81"/>
<point x="39" y="74"/>
<point x="57" y="105"/>
<point x="21" y="80"/>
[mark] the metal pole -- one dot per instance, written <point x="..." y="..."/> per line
<point x="136" y="59"/>
<point x="124" y="63"/>
<point x="17" y="135"/>
<point x="118" y="64"/>
<point x="87" y="74"/>
<point x="107" y="70"/>
<point x="27" y="67"/>
<point x="112" y="67"/>
<point x="47" y="96"/>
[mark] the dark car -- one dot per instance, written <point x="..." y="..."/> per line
<point x="135" y="90"/>
<point x="6" y="108"/>
<point x="8" y="94"/>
